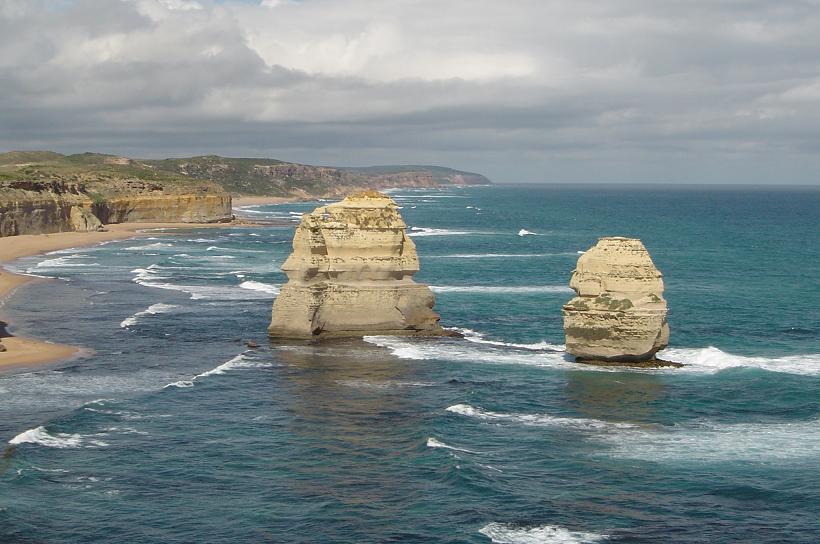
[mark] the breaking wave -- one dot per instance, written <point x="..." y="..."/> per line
<point x="154" y="309"/>
<point x="457" y="350"/>
<point x="540" y="420"/>
<point x="424" y="231"/>
<point x="434" y="443"/>
<point x="259" y="286"/>
<point x="477" y="337"/>
<point x="152" y="277"/>
<point x="155" y="245"/>
<point x="503" y="533"/>
<point x="39" y="435"/>
<point x="712" y="360"/>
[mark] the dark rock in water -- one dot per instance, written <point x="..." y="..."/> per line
<point x="251" y="344"/>
<point x="650" y="363"/>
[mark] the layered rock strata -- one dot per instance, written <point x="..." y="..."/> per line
<point x="619" y="315"/>
<point x="351" y="274"/>
<point x="38" y="207"/>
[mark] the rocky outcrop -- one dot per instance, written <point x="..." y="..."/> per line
<point x="351" y="274"/>
<point x="619" y="315"/>
<point x="82" y="220"/>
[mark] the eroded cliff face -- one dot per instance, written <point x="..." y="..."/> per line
<point x="177" y="208"/>
<point x="351" y="274"/>
<point x="619" y="314"/>
<point x="38" y="207"/>
<point x="30" y="207"/>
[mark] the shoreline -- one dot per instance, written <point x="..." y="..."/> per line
<point x="24" y="353"/>
<point x="262" y="200"/>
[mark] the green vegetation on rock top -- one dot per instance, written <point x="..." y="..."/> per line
<point x="110" y="174"/>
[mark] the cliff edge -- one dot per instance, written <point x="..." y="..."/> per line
<point x="44" y="192"/>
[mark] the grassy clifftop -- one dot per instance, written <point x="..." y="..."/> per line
<point x="110" y="174"/>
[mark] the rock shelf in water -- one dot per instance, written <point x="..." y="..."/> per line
<point x="619" y="315"/>
<point x="351" y="274"/>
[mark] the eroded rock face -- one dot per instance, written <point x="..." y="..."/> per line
<point x="619" y="314"/>
<point x="351" y="274"/>
<point x="82" y="220"/>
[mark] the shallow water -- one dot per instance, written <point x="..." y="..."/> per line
<point x="175" y="432"/>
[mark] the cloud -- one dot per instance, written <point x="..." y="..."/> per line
<point x="532" y="90"/>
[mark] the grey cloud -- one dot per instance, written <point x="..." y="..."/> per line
<point x="628" y="90"/>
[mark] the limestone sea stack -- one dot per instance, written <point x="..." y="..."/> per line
<point x="619" y="315"/>
<point x="351" y="274"/>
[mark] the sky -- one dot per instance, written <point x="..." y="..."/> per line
<point x="548" y="91"/>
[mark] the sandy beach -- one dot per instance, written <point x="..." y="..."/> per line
<point x="23" y="352"/>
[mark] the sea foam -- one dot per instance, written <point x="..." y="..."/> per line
<point x="712" y="360"/>
<point x="434" y="443"/>
<point x="540" y="420"/>
<point x="39" y="435"/>
<point x="154" y="309"/>
<point x="259" y="286"/>
<point x="502" y="533"/>
<point x="477" y="337"/>
<point x="711" y="442"/>
<point x="425" y="231"/>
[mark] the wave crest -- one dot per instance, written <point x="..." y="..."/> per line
<point x="502" y="533"/>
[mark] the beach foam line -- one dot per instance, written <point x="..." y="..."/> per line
<point x="39" y="435"/>
<point x="502" y="533"/>
<point x="538" y="420"/>
<point x="711" y="442"/>
<point x="154" y="309"/>
<point x="434" y="443"/>
<point x="155" y="245"/>
<point x="713" y="360"/>
<point x="509" y="289"/>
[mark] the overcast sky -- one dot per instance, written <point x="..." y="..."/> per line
<point x="690" y="91"/>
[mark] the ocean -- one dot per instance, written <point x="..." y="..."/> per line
<point x="174" y="431"/>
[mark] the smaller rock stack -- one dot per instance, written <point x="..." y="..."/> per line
<point x="351" y="274"/>
<point x="619" y="315"/>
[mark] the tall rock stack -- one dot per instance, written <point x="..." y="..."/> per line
<point x="351" y="274"/>
<point x="619" y="315"/>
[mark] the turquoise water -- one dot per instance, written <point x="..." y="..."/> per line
<point x="173" y="431"/>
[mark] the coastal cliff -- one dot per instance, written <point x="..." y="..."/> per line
<point x="270" y="177"/>
<point x="43" y="192"/>
<point x="351" y="274"/>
